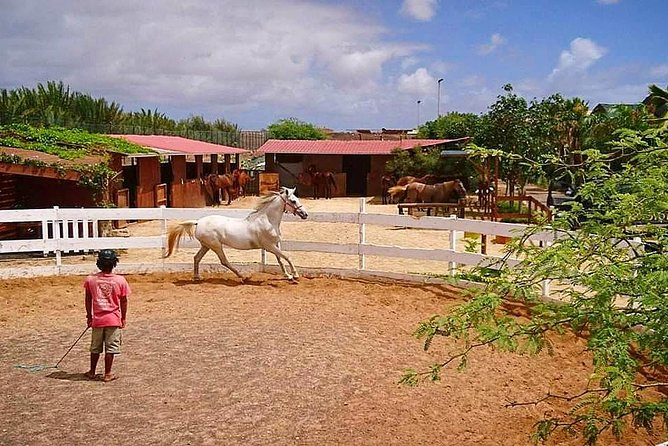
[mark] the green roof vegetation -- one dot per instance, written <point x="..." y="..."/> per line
<point x="68" y="144"/>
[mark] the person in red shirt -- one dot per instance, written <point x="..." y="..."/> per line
<point x="106" y="310"/>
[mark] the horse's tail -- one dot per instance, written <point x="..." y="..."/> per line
<point x="175" y="234"/>
<point x="332" y="180"/>
<point x="394" y="190"/>
<point x="397" y="193"/>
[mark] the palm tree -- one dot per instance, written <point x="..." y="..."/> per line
<point x="657" y="103"/>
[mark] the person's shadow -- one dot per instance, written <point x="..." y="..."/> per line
<point x="70" y="376"/>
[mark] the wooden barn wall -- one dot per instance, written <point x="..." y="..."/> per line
<point x="332" y="163"/>
<point x="7" y="191"/>
<point x="148" y="176"/>
<point x="178" y="169"/>
<point x="329" y="163"/>
<point x="373" y="186"/>
<point x="7" y="201"/>
<point x="187" y="194"/>
<point x="116" y="164"/>
<point x="37" y="193"/>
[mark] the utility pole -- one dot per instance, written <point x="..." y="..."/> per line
<point x="438" y="109"/>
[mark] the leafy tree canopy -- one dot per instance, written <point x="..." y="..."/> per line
<point x="451" y="126"/>
<point x="293" y="128"/>
<point x="608" y="266"/>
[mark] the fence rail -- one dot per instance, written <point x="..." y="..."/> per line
<point x="60" y="241"/>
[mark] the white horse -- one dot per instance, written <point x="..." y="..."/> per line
<point x="259" y="230"/>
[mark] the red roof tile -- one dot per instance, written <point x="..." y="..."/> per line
<point x="330" y="147"/>
<point x="181" y="145"/>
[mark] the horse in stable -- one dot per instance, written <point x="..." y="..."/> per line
<point x="386" y="182"/>
<point x="322" y="182"/>
<point x="228" y="186"/>
<point x="220" y="186"/>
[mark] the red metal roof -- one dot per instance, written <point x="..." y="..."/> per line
<point x="330" y="147"/>
<point x="181" y="145"/>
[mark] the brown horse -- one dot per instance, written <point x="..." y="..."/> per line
<point x="217" y="185"/>
<point x="444" y="192"/>
<point x="429" y="193"/>
<point x="426" y="179"/>
<point x="242" y="179"/>
<point x="322" y="182"/>
<point x="386" y="182"/>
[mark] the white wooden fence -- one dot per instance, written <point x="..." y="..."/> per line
<point x="68" y="230"/>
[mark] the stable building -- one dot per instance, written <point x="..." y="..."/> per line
<point x="358" y="165"/>
<point x="174" y="177"/>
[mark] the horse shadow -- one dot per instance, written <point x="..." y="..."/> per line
<point x="234" y="282"/>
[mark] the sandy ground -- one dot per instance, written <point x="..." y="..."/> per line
<point x="265" y="363"/>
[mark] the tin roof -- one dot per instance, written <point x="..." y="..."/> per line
<point x="330" y="147"/>
<point x="175" y="145"/>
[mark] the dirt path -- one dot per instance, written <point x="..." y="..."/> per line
<point x="266" y="363"/>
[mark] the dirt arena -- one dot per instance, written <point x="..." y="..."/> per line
<point x="268" y="362"/>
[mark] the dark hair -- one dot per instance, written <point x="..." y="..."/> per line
<point x="107" y="260"/>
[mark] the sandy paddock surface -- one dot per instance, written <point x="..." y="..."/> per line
<point x="266" y="363"/>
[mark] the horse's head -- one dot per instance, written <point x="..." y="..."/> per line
<point x="292" y="203"/>
<point x="388" y="180"/>
<point x="459" y="188"/>
<point x="304" y="178"/>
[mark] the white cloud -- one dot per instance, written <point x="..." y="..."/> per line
<point x="494" y="42"/>
<point x="408" y="62"/>
<point x="574" y="61"/>
<point x="474" y="80"/>
<point x="422" y="10"/>
<point x="608" y="2"/>
<point x="419" y="83"/>
<point x="659" y="71"/>
<point x="223" y="58"/>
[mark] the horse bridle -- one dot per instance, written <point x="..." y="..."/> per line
<point x="286" y="203"/>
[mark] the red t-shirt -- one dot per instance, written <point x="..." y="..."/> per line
<point x="106" y="291"/>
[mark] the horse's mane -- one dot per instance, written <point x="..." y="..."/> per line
<point x="265" y="200"/>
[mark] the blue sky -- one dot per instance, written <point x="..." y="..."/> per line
<point x="338" y="64"/>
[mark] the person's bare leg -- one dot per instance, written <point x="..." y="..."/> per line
<point x="108" y="363"/>
<point x="94" y="357"/>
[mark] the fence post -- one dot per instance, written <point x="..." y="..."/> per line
<point x="453" y="248"/>
<point x="163" y="233"/>
<point x="362" y="235"/>
<point x="56" y="235"/>
<point x="263" y="260"/>
<point x="45" y="235"/>
<point x="546" y="288"/>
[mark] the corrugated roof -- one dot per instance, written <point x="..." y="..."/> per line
<point x="178" y="145"/>
<point x="330" y="147"/>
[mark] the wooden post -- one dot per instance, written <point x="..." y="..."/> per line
<point x="214" y="164"/>
<point x="199" y="166"/>
<point x="227" y="164"/>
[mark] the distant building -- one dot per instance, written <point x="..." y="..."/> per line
<point x="358" y="164"/>
<point x="607" y="108"/>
